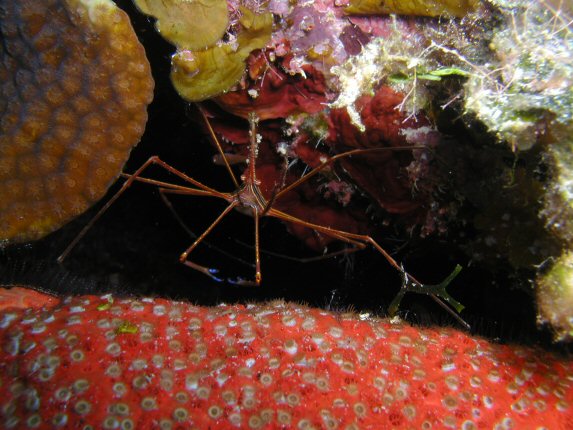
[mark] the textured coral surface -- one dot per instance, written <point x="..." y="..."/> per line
<point x="108" y="362"/>
<point x="74" y="88"/>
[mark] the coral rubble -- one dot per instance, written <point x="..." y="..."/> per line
<point x="74" y="88"/>
<point x="112" y="362"/>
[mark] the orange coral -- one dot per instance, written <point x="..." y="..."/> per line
<point x="74" y="88"/>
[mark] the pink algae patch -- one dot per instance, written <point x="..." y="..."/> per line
<point x="152" y="363"/>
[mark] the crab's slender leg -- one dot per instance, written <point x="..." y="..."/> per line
<point x="258" y="274"/>
<point x="177" y="189"/>
<point x="218" y="145"/>
<point x="305" y="260"/>
<point x="151" y="161"/>
<point x="355" y="246"/>
<point x="185" y="254"/>
<point x="437" y="292"/>
<point x="337" y="157"/>
<point x="337" y="234"/>
<point x="136" y="176"/>
<point x="163" y="194"/>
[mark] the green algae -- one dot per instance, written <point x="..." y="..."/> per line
<point x="105" y="305"/>
<point x="126" y="327"/>
<point x="200" y="75"/>
<point x="188" y="24"/>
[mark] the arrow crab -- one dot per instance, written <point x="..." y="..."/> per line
<point x="252" y="198"/>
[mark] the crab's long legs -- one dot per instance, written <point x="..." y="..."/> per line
<point x="218" y="145"/>
<point x="437" y="292"/>
<point x="334" y="158"/>
<point x="305" y="260"/>
<point x="337" y="234"/>
<point x="211" y="272"/>
<point x="258" y="276"/>
<point x="258" y="273"/>
<point x="205" y="190"/>
<point x="163" y="194"/>
<point x="174" y="188"/>
<point x="185" y="254"/>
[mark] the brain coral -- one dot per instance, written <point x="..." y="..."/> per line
<point x="74" y="89"/>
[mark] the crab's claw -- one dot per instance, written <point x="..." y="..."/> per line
<point x="437" y="290"/>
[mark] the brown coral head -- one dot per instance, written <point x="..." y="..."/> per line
<point x="74" y="88"/>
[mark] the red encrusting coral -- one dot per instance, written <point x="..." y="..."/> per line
<point x="146" y="363"/>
